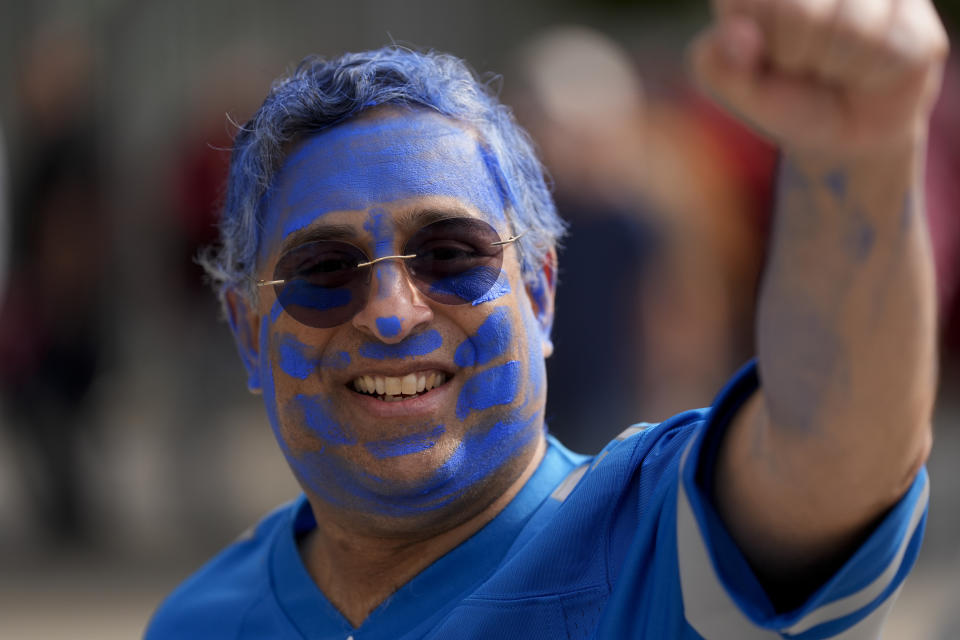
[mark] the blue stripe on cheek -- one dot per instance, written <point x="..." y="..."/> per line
<point x="296" y="362"/>
<point x="405" y="445"/>
<point x="418" y="345"/>
<point x="491" y="340"/>
<point x="489" y="388"/>
<point x="389" y="327"/>
<point x="316" y="416"/>
<point x="499" y="289"/>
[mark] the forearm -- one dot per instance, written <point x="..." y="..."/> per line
<point x="846" y="338"/>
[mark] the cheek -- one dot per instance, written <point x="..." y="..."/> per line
<point x="489" y="388"/>
<point x="536" y="366"/>
<point x="491" y="340"/>
<point x="299" y="360"/>
<point x="316" y="414"/>
<point x="479" y="285"/>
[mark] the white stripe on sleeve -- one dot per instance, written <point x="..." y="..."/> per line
<point x="710" y="610"/>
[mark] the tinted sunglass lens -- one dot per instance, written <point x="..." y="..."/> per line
<point x="322" y="285"/>
<point x="457" y="261"/>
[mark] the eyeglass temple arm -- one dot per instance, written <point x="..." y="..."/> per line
<point x="266" y="283"/>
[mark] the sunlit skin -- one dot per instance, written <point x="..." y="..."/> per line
<point x="395" y="485"/>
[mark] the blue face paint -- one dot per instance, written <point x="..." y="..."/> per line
<point x="499" y="289"/>
<point x="244" y="341"/>
<point x="470" y="285"/>
<point x="358" y="168"/>
<point x="491" y="340"/>
<point x="364" y="163"/>
<point x="406" y="444"/>
<point x="489" y="388"/>
<point x="303" y="294"/>
<point x="379" y="225"/>
<point x="266" y="373"/>
<point x="389" y="327"/>
<point x="315" y="413"/>
<point x="295" y="359"/>
<point x="536" y="367"/>
<point x="477" y="457"/>
<point x="416" y="345"/>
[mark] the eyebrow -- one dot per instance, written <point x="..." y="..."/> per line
<point x="416" y="218"/>
<point x="411" y="219"/>
<point x="317" y="233"/>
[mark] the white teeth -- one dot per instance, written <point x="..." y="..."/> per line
<point x="408" y="385"/>
<point x="394" y="389"/>
<point x="393" y="386"/>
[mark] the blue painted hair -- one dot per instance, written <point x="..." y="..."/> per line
<point x="322" y="93"/>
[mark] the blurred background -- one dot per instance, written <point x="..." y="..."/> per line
<point x="129" y="448"/>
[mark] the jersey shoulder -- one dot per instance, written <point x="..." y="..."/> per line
<point x="214" y="601"/>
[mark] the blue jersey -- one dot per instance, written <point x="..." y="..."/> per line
<point x="623" y="545"/>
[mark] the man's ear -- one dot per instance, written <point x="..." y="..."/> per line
<point x="542" y="294"/>
<point x="245" y="326"/>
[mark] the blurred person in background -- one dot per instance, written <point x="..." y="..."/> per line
<point x="51" y="343"/>
<point x="4" y="216"/>
<point x="657" y="228"/>
<point x="387" y="223"/>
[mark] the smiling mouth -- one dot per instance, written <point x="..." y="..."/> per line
<point x="397" y="389"/>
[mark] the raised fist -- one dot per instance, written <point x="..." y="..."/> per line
<point x="833" y="78"/>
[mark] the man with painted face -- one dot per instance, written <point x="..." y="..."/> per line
<point x="388" y="270"/>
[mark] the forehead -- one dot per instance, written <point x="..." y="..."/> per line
<point x="390" y="156"/>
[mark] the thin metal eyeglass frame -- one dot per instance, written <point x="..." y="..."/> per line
<point x="499" y="243"/>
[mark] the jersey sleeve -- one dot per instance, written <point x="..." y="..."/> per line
<point x="723" y="600"/>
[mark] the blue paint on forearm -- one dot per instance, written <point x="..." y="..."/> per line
<point x="417" y="345"/>
<point x="490" y="341"/>
<point x="389" y="327"/>
<point x="489" y="388"/>
<point x="406" y="444"/>
<point x="860" y="236"/>
<point x="836" y="182"/>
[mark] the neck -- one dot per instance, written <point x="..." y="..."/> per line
<point x="357" y="571"/>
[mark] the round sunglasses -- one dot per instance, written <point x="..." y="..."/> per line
<point x="325" y="283"/>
